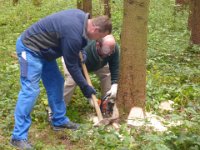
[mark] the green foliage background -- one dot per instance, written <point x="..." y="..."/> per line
<point x="173" y="73"/>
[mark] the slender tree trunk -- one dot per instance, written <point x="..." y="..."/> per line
<point x="107" y="8"/>
<point x="79" y="4"/>
<point x="195" y="22"/>
<point x="37" y="2"/>
<point x="132" y="82"/>
<point x="15" y="2"/>
<point x="85" y="5"/>
<point x="179" y="2"/>
<point x="190" y="15"/>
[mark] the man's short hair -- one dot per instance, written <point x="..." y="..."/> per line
<point x="104" y="23"/>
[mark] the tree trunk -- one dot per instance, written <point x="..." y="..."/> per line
<point x="15" y="2"/>
<point x="79" y="4"/>
<point x="190" y="15"/>
<point x="107" y="8"/>
<point x="195" y="22"/>
<point x="37" y="2"/>
<point x="179" y="2"/>
<point x="85" y="5"/>
<point x="132" y="82"/>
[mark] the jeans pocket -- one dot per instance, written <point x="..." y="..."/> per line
<point x="23" y="66"/>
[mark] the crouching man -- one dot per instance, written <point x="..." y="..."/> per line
<point x="102" y="59"/>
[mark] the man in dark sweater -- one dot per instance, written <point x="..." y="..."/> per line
<point x="103" y="60"/>
<point x="64" y="33"/>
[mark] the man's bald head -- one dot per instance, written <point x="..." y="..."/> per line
<point x="109" y="41"/>
<point x="107" y="46"/>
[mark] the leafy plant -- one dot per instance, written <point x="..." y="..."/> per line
<point x="173" y="73"/>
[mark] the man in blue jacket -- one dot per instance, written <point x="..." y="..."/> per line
<point x="64" y="33"/>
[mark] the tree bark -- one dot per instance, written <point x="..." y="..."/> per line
<point x="37" y="2"/>
<point x="132" y="82"/>
<point x="195" y="22"/>
<point x="79" y="4"/>
<point x="15" y="2"/>
<point x="107" y="8"/>
<point x="179" y="2"/>
<point x="190" y="16"/>
<point x="85" y="5"/>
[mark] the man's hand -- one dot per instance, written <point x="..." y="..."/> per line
<point x="113" y="91"/>
<point x="88" y="91"/>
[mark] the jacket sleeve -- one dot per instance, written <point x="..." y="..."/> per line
<point x="71" y="49"/>
<point x="114" y="61"/>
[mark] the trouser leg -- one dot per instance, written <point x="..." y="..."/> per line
<point x="105" y="79"/>
<point x="54" y="85"/>
<point x="69" y="85"/>
<point x="30" y="70"/>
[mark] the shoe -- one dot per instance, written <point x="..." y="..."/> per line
<point x="21" y="144"/>
<point x="69" y="125"/>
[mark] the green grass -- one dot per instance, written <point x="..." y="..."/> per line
<point x="173" y="73"/>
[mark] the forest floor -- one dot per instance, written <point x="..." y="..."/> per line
<point x="173" y="73"/>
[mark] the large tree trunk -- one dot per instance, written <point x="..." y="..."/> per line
<point x="107" y="8"/>
<point x="195" y="22"/>
<point x="132" y="82"/>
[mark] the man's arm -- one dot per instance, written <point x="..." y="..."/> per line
<point x="114" y="61"/>
<point x="71" y="58"/>
<point x="114" y="70"/>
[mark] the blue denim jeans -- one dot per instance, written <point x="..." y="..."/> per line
<point x="33" y="68"/>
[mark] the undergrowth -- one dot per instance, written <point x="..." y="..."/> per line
<point x="173" y="73"/>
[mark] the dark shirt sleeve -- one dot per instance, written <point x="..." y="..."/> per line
<point x="114" y="61"/>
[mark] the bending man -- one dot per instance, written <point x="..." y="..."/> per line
<point x="64" y="33"/>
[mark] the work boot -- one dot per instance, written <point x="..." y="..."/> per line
<point x="69" y="125"/>
<point x="21" y="144"/>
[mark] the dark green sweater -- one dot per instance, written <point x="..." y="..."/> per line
<point x="94" y="62"/>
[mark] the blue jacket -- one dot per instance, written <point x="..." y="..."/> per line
<point x="60" y="34"/>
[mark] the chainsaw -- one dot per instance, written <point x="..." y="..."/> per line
<point x="106" y="106"/>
